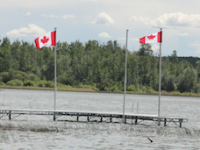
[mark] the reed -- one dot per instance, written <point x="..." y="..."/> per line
<point x="99" y="128"/>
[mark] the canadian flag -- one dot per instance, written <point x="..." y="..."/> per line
<point x="152" y="38"/>
<point x="49" y="39"/>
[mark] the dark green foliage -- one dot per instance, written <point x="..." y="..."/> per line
<point x="171" y="85"/>
<point x="197" y="88"/>
<point x="187" y="80"/>
<point x="28" y="83"/>
<point x="94" y="65"/>
<point x="41" y="84"/>
<point x="49" y="84"/>
<point x="191" y="60"/>
<point x="15" y="82"/>
<point x="145" y="50"/>
<point x="5" y="55"/>
<point x="5" y="77"/>
<point x="131" y="88"/>
<point x="115" y="88"/>
<point x="174" y="63"/>
<point x="198" y="70"/>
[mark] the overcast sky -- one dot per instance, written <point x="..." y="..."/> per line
<point x="104" y="20"/>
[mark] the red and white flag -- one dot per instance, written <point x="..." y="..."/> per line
<point x="153" y="38"/>
<point x="49" y="39"/>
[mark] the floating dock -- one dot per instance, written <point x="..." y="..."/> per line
<point x="135" y="118"/>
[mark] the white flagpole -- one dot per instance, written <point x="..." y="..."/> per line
<point x="159" y="84"/>
<point x="55" y="87"/>
<point x="125" y="80"/>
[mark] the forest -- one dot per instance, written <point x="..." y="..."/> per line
<point x="97" y="66"/>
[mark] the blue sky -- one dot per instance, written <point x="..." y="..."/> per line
<point x="104" y="20"/>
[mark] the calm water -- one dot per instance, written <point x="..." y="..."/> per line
<point x="75" y="136"/>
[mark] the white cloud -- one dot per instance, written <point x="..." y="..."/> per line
<point x="67" y="16"/>
<point x="53" y="16"/>
<point x="103" y="18"/>
<point x="104" y="35"/>
<point x="155" y="47"/>
<point x="27" y="14"/>
<point x="49" y="16"/>
<point x="140" y="18"/>
<point x="33" y="30"/>
<point x="183" y="34"/>
<point x="172" y="20"/>
<point x="122" y="38"/>
<point x="134" y="39"/>
<point x="36" y="4"/>
<point x="90" y="0"/>
<point x="130" y="39"/>
<point x="196" y="44"/>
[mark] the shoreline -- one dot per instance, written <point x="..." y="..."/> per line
<point x="164" y="93"/>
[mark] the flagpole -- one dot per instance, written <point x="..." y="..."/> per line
<point x="125" y="80"/>
<point x="159" y="84"/>
<point x="55" y="87"/>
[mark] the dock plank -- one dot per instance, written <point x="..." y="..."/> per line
<point x="151" y="117"/>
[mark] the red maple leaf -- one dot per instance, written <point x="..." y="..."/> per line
<point x="44" y="40"/>
<point x="151" y="37"/>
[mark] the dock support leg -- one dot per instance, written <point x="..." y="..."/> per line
<point x="132" y="120"/>
<point x="9" y="115"/>
<point x="135" y="120"/>
<point x="124" y="119"/>
<point x="77" y="117"/>
<point x="88" y="118"/>
<point x="180" y="124"/>
<point x="54" y="116"/>
<point x="101" y="120"/>
<point x="110" y="118"/>
<point x="165" y="122"/>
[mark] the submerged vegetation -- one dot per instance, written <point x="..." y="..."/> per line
<point x="96" y="67"/>
<point x="94" y="128"/>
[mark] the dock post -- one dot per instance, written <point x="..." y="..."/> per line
<point x="165" y="121"/>
<point x="101" y="120"/>
<point x="132" y="120"/>
<point x="77" y="117"/>
<point x="180" y="122"/>
<point x="54" y="116"/>
<point x="110" y="118"/>
<point x="9" y="115"/>
<point x="135" y="120"/>
<point x="124" y="119"/>
<point x="88" y="118"/>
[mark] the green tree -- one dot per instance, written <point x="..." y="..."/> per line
<point x="187" y="80"/>
<point x="198" y="70"/>
<point x="174" y="63"/>
<point x="145" y="50"/>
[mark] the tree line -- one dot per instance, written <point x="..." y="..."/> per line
<point x="100" y="66"/>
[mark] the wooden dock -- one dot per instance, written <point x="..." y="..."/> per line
<point x="135" y="118"/>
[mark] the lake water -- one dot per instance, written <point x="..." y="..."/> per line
<point x="41" y="133"/>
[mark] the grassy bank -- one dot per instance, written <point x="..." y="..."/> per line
<point x="165" y="93"/>
<point x="174" y="93"/>
<point x="49" y="88"/>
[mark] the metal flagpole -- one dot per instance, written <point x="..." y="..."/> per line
<point x="125" y="80"/>
<point x="159" y="83"/>
<point x="55" y="87"/>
